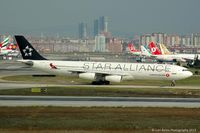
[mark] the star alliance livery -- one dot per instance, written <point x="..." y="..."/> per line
<point x="100" y="72"/>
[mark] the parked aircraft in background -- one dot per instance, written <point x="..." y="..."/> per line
<point x="166" y="55"/>
<point x="133" y="50"/>
<point x="4" y="49"/>
<point x="164" y="50"/>
<point x="144" y="52"/>
<point x="186" y="57"/>
<point x="4" y="42"/>
<point x="169" y="57"/>
<point x="8" y="49"/>
<point x="101" y="72"/>
<point x="154" y="49"/>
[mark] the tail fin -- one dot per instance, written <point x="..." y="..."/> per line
<point x="154" y="49"/>
<point x="145" y="51"/>
<point x="27" y="50"/>
<point x="132" y="48"/>
<point x="164" y="49"/>
<point x="5" y="42"/>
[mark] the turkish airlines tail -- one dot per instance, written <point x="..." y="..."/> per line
<point x="154" y="49"/>
<point x="132" y="48"/>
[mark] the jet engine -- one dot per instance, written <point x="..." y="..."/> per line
<point x="90" y="76"/>
<point x="113" y="78"/>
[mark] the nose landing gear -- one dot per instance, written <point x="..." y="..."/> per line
<point x="173" y="83"/>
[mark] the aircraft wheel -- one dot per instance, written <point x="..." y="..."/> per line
<point x="173" y="83"/>
<point x="107" y="82"/>
<point x="100" y="82"/>
<point x="97" y="83"/>
<point x="94" y="83"/>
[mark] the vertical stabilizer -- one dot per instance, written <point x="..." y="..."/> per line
<point x="164" y="49"/>
<point x="145" y="51"/>
<point x="27" y="50"/>
<point x="154" y="49"/>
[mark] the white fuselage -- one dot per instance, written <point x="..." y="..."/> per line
<point x="4" y="51"/>
<point x="128" y="71"/>
<point x="143" y="52"/>
<point x="177" y="57"/>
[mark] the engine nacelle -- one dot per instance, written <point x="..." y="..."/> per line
<point x="113" y="78"/>
<point x="90" y="76"/>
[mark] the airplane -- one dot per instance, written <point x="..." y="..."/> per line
<point x="185" y="57"/>
<point x="160" y="56"/>
<point x="14" y="52"/>
<point x="133" y="49"/>
<point x="164" y="49"/>
<point x="144" y="52"/>
<point x="7" y="48"/>
<point x="4" y="42"/>
<point x="4" y="50"/>
<point x="154" y="49"/>
<point x="3" y="47"/>
<point x="101" y="72"/>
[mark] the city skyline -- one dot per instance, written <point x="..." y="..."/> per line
<point x="127" y="17"/>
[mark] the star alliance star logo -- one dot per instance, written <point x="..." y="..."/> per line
<point x="27" y="51"/>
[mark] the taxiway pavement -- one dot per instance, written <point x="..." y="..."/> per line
<point x="73" y="101"/>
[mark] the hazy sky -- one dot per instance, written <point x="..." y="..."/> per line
<point x="125" y="16"/>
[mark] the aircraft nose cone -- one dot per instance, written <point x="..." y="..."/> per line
<point x="189" y="74"/>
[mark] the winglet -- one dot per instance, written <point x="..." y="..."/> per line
<point x="27" y="50"/>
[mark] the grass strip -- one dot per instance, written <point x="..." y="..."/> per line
<point x="98" y="118"/>
<point x="105" y="91"/>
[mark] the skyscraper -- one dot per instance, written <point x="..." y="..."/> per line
<point x="82" y="30"/>
<point x="100" y="25"/>
<point x="96" y="27"/>
<point x="103" y="24"/>
<point x="100" y="43"/>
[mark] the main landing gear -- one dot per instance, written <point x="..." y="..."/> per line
<point x="173" y="83"/>
<point x="101" y="82"/>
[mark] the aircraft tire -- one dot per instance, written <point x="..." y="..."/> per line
<point x="107" y="82"/>
<point x="173" y="83"/>
<point x="100" y="82"/>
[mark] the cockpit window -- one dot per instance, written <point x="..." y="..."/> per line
<point x="185" y="70"/>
